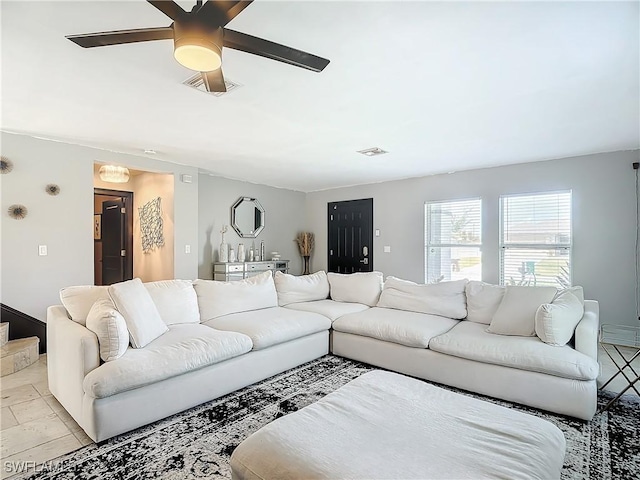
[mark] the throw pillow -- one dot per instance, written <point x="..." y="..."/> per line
<point x="517" y="312"/>
<point x="446" y="299"/>
<point x="556" y="321"/>
<point x="143" y="320"/>
<point x="306" y="288"/>
<point x="360" y="287"/>
<point x="483" y="299"/>
<point x="110" y="328"/>
<point x="176" y="301"/>
<point x="79" y="300"/>
<point x="216" y="299"/>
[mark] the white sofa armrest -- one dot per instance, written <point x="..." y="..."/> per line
<point x="72" y="352"/>
<point x="586" y="335"/>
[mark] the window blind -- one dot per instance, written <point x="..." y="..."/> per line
<point x="536" y="239"/>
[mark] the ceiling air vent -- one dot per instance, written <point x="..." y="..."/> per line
<point x="370" y="152"/>
<point x="196" y="82"/>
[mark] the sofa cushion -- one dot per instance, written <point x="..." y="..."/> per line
<point x="360" y="287"/>
<point x="330" y="309"/>
<point x="183" y="348"/>
<point x="78" y="300"/>
<point x="136" y="306"/>
<point x="446" y="299"/>
<point x="471" y="341"/>
<point x="176" y="301"/>
<point x="216" y="299"/>
<point x="516" y="314"/>
<point x="306" y="288"/>
<point x="397" y="326"/>
<point x="110" y="328"/>
<point x="556" y="321"/>
<point x="483" y="299"/>
<point x="271" y="326"/>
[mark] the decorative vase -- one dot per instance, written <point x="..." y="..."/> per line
<point x="241" y="252"/>
<point x="223" y="253"/>
<point x="232" y="255"/>
<point x="305" y="266"/>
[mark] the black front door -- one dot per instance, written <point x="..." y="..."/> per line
<point x="350" y="236"/>
<point x="113" y="241"/>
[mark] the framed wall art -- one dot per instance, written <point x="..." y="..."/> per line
<point x="97" y="226"/>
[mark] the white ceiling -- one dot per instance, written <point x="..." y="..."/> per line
<point x="442" y="86"/>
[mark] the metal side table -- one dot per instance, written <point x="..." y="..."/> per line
<point x="612" y="337"/>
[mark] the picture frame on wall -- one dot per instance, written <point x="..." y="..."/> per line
<point x="97" y="226"/>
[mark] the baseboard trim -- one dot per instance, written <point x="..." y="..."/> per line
<point x="23" y="325"/>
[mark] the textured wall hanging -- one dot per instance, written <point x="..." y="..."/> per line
<point x="18" y="211"/>
<point x="6" y="165"/>
<point x="151" y="225"/>
<point x="52" y="189"/>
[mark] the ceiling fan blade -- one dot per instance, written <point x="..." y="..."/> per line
<point x="220" y="12"/>
<point x="170" y="8"/>
<point x="101" y="39"/>
<point x="214" y="81"/>
<point x="274" y="51"/>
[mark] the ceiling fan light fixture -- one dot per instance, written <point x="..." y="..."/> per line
<point x="196" y="48"/>
<point x="197" y="57"/>
<point x="114" y="174"/>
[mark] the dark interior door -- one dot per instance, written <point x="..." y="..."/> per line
<point x="350" y="236"/>
<point x="113" y="242"/>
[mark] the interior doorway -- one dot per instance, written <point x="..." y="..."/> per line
<point x="113" y="236"/>
<point x="350" y="236"/>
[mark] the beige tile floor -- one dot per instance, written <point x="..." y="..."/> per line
<point x="35" y="428"/>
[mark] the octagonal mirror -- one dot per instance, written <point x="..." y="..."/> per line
<point x="247" y="217"/>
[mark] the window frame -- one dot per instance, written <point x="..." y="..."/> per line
<point x="533" y="246"/>
<point x="427" y="237"/>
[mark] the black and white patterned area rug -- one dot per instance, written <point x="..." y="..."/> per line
<point x="198" y="442"/>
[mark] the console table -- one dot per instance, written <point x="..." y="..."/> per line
<point x="228" y="271"/>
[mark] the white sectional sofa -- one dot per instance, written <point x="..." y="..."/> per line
<point x="204" y="353"/>
<point x="442" y="333"/>
<point x="124" y="356"/>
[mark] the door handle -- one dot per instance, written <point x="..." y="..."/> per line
<point x="365" y="261"/>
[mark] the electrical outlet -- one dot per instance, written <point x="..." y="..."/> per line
<point x="187" y="249"/>
<point x="377" y="232"/>
<point x="636" y="165"/>
<point x="42" y="250"/>
<point x="387" y="249"/>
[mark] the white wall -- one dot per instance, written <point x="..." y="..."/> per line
<point x="603" y="188"/>
<point x="284" y="218"/>
<point x="64" y="223"/>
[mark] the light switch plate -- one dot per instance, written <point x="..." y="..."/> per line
<point x="42" y="250"/>
<point x="377" y="232"/>
<point x="387" y="249"/>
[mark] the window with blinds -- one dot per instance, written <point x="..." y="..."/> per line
<point x="535" y="246"/>
<point x="453" y="240"/>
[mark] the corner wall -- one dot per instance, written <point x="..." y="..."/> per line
<point x="604" y="222"/>
<point x="29" y="282"/>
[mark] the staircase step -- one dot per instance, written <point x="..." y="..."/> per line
<point x="19" y="354"/>
<point x="4" y="333"/>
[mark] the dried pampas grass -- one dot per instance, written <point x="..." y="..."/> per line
<point x="305" y="243"/>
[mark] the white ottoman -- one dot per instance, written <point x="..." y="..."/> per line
<point x="385" y="425"/>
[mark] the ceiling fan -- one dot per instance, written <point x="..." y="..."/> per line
<point x="199" y="36"/>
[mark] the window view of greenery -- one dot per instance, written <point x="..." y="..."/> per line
<point x="453" y="240"/>
<point x="536" y="239"/>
